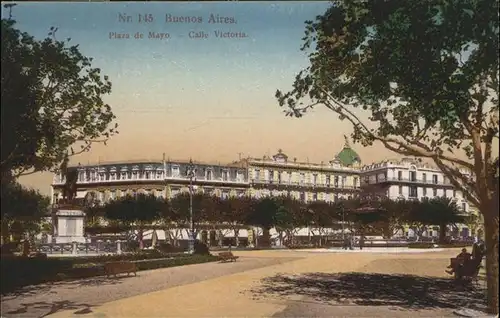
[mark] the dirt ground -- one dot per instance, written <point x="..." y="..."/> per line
<point x="286" y="284"/>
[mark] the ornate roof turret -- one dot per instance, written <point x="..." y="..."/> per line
<point x="347" y="156"/>
<point x="280" y="156"/>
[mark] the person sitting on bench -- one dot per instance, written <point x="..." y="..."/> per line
<point x="461" y="258"/>
<point x="478" y="250"/>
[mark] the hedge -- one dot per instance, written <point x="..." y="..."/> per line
<point x="437" y="245"/>
<point x="152" y="254"/>
<point x="22" y="271"/>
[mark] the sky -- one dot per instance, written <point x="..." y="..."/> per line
<point x="210" y="99"/>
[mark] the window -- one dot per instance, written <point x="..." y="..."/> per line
<point x="315" y="179"/>
<point x="209" y="174"/>
<point x="328" y="179"/>
<point x="434" y="192"/>
<point x="257" y="174"/>
<point x="175" y="171"/>
<point x="444" y="193"/>
<point x="344" y="181"/>
<point x="271" y="175"/>
<point x="400" y="175"/>
<point x="434" y="178"/>
<point x="355" y="182"/>
<point x="148" y="174"/>
<point x="413" y="192"/>
<point x="225" y="175"/>
<point x="336" y="181"/>
<point x="464" y="206"/>
<point x="302" y="196"/>
<point x="400" y="190"/>
<point x="279" y="176"/>
<point x="424" y="177"/>
<point x="454" y="193"/>
<point x="302" y="178"/>
<point x="175" y="192"/>
<point x="424" y="190"/>
<point x="239" y="176"/>
<point x="413" y="176"/>
<point x="315" y="196"/>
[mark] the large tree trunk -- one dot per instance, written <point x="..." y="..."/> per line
<point x="140" y="236"/>
<point x="491" y="240"/>
<point x="266" y="237"/>
<point x="442" y="233"/>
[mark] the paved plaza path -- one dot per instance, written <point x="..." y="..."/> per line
<point x="264" y="284"/>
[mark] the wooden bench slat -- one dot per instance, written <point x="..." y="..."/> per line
<point x="120" y="267"/>
<point x="227" y="256"/>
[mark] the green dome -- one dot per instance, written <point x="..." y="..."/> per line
<point x="347" y="156"/>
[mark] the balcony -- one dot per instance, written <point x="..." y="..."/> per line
<point x="415" y="181"/>
<point x="153" y="178"/>
<point x="299" y="184"/>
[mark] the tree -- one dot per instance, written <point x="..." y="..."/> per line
<point x="137" y="211"/>
<point x="287" y="218"/>
<point x="323" y="216"/>
<point x="394" y="214"/>
<point x="93" y="209"/>
<point x="369" y="218"/>
<point x="425" y="74"/>
<point x="203" y="208"/>
<point x="234" y="212"/>
<point x="296" y="217"/>
<point x="169" y="219"/>
<point x="22" y="211"/>
<point x="437" y="211"/>
<point x="264" y="214"/>
<point x="51" y="102"/>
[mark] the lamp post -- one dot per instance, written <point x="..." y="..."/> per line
<point x="191" y="221"/>
<point x="343" y="222"/>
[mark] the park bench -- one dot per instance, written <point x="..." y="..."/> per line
<point x="469" y="271"/>
<point x="119" y="267"/>
<point x="227" y="257"/>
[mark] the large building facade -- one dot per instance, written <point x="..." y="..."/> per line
<point x="410" y="179"/>
<point x="269" y="176"/>
<point x="342" y="177"/>
<point x="108" y="181"/>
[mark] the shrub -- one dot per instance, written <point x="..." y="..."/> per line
<point x="200" y="248"/>
<point x="432" y="245"/>
<point x="169" y="248"/>
<point x="21" y="271"/>
<point x="421" y="245"/>
<point x="145" y="254"/>
<point x="175" y="261"/>
<point x="9" y="248"/>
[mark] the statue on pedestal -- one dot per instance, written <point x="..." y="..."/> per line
<point x="70" y="187"/>
<point x="68" y="210"/>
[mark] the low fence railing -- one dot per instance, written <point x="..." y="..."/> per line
<point x="116" y="247"/>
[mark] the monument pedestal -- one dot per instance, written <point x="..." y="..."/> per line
<point x="70" y="226"/>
